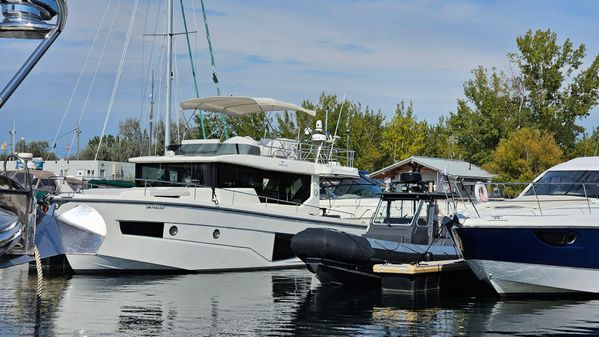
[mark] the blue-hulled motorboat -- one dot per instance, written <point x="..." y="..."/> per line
<point x="544" y="241"/>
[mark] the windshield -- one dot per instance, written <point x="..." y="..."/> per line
<point x="574" y="183"/>
<point x="397" y="212"/>
<point x="344" y="188"/>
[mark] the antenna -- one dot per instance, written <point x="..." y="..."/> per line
<point x="12" y="133"/>
<point x="347" y="137"/>
<point x="336" y="128"/>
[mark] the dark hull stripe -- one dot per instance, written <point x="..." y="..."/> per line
<point x="532" y="246"/>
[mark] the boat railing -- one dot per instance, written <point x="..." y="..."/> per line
<point x="544" y="195"/>
<point x="326" y="154"/>
<point x="292" y="149"/>
<point x="268" y="201"/>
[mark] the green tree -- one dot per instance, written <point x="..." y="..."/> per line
<point x="548" y="90"/>
<point x="365" y="137"/>
<point x="403" y="136"/>
<point x="487" y="114"/>
<point x="586" y="145"/>
<point x="525" y="154"/>
<point x="441" y="142"/>
<point x="557" y="91"/>
<point x="108" y="150"/>
<point x="363" y="126"/>
<point x="132" y="139"/>
<point x="39" y="148"/>
<point x="255" y="125"/>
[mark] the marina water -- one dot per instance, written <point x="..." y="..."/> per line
<point x="275" y="303"/>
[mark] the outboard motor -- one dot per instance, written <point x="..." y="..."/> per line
<point x="17" y="213"/>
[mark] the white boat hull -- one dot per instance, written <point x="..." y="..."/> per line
<point x="511" y="278"/>
<point x="208" y="237"/>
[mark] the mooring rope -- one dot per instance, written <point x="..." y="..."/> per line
<point x="38" y="302"/>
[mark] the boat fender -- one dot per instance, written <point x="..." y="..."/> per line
<point x="332" y="245"/>
<point x="480" y="192"/>
<point x="428" y="256"/>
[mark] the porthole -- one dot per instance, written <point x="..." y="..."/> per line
<point x="556" y="237"/>
<point x="173" y="230"/>
<point x="570" y="238"/>
<point x="216" y="234"/>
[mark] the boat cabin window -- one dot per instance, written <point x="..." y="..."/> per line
<point x="167" y="174"/>
<point x="213" y="149"/>
<point x="399" y="212"/>
<point x="270" y="186"/>
<point x="574" y="183"/>
<point x="349" y="188"/>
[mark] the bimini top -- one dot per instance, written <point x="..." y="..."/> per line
<point x="237" y="106"/>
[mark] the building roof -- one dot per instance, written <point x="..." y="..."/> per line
<point x="458" y="168"/>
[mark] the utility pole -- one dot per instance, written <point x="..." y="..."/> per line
<point x="78" y="132"/>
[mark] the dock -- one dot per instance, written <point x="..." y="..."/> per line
<point x="424" y="277"/>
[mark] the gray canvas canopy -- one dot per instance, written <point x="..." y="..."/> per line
<point x="236" y="106"/>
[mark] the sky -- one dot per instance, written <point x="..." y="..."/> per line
<point x="376" y="52"/>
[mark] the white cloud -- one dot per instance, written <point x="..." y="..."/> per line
<point x="376" y="52"/>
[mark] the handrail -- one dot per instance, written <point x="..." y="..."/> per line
<point x="292" y="149"/>
<point x="532" y="190"/>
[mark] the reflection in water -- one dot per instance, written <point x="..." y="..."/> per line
<point x="271" y="303"/>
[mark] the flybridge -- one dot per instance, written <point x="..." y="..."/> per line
<point x="213" y="147"/>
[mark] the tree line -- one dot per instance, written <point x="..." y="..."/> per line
<point x="514" y="123"/>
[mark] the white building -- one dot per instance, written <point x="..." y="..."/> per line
<point x="91" y="169"/>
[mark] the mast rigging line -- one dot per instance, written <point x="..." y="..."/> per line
<point x="143" y="62"/>
<point x="193" y="69"/>
<point x="118" y="77"/>
<point x="213" y="64"/>
<point x="85" y="63"/>
<point x="91" y="86"/>
<point x="151" y="58"/>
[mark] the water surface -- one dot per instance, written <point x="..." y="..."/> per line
<point x="272" y="303"/>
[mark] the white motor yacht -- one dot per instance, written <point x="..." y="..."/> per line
<point x="209" y="205"/>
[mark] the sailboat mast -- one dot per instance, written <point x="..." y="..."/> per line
<point x="169" y="82"/>
<point x="151" y="115"/>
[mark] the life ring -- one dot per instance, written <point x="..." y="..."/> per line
<point x="480" y="192"/>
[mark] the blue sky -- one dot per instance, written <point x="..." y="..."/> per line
<point x="374" y="52"/>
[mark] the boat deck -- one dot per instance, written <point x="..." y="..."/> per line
<point x="423" y="277"/>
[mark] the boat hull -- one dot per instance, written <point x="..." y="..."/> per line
<point x="339" y="258"/>
<point x="154" y="236"/>
<point x="540" y="260"/>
